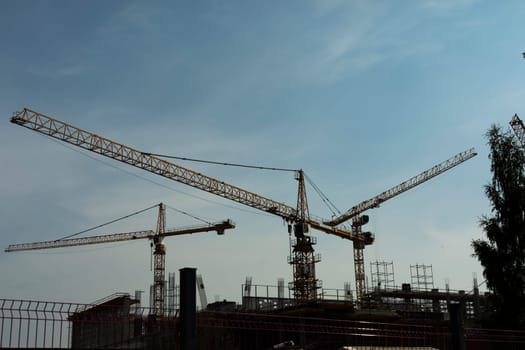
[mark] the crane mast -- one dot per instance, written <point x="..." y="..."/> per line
<point x="303" y="259"/>
<point x="159" y="264"/>
<point x="159" y="249"/>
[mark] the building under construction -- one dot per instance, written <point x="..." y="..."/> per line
<point x="399" y="318"/>
<point x="300" y="312"/>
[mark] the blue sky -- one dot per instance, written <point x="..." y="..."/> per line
<point x="361" y="95"/>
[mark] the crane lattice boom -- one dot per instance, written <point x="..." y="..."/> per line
<point x="118" y="237"/>
<point x="404" y="186"/>
<point x="103" y="146"/>
<point x="519" y="128"/>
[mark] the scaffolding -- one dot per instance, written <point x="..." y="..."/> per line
<point x="173" y="295"/>
<point x="422" y="277"/>
<point x="382" y="274"/>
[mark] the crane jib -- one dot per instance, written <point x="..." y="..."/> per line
<point x="119" y="237"/>
<point x="404" y="186"/>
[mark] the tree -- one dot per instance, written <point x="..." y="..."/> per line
<point x="502" y="255"/>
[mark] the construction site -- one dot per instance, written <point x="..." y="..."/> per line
<point x="372" y="312"/>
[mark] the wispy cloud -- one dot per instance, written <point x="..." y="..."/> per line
<point x="130" y="17"/>
<point x="58" y="71"/>
<point x="353" y="42"/>
<point x="445" y="6"/>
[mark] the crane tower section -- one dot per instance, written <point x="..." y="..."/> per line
<point x="159" y="264"/>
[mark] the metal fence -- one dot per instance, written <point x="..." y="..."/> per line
<point x="44" y="324"/>
<point x="37" y="324"/>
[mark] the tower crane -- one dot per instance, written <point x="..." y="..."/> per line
<point x="359" y="220"/>
<point x="303" y="260"/>
<point x="304" y="285"/>
<point x="156" y="237"/>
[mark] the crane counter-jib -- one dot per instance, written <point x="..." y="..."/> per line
<point x="103" y="146"/>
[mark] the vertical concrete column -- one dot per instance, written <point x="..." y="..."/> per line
<point x="456" y="326"/>
<point x="436" y="303"/>
<point x="188" y="313"/>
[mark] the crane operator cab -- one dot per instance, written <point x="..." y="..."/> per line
<point x="301" y="229"/>
<point x="158" y="243"/>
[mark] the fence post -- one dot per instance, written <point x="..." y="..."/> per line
<point x="188" y="313"/>
<point x="456" y="326"/>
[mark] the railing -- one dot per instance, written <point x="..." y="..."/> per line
<point x="38" y="324"/>
<point x="48" y="324"/>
